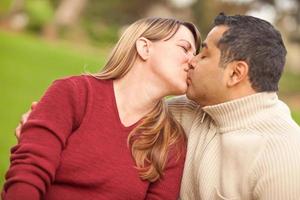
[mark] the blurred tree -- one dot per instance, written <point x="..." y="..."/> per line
<point x="39" y="13"/>
<point x="205" y="12"/>
<point x="298" y="14"/>
<point x="16" y="6"/>
<point x="12" y="16"/>
<point x="4" y="7"/>
<point x="66" y="16"/>
<point x="32" y="14"/>
<point x="291" y="13"/>
<point x="118" y="12"/>
<point x="68" y="12"/>
<point x="103" y="19"/>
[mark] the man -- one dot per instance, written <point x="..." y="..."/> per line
<point x="242" y="141"/>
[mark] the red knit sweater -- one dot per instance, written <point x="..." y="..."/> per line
<point x="74" y="146"/>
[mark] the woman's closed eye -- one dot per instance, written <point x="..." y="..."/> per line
<point x="185" y="49"/>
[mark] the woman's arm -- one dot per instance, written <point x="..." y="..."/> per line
<point x="35" y="159"/>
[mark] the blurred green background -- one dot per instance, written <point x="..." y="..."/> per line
<point x="42" y="40"/>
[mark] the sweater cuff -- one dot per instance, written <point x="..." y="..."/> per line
<point x="22" y="191"/>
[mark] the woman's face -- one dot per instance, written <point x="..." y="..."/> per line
<point x="169" y="60"/>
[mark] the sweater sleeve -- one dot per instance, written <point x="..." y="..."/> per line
<point x="35" y="159"/>
<point x="277" y="170"/>
<point x="184" y="111"/>
<point x="168" y="186"/>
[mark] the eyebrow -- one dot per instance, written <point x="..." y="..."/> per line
<point x="190" y="46"/>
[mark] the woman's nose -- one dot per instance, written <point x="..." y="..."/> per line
<point x="191" y="56"/>
<point x="192" y="62"/>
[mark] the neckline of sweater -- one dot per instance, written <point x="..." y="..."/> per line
<point x="242" y="112"/>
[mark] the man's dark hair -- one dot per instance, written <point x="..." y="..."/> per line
<point x="256" y="42"/>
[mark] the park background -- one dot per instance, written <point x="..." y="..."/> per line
<point x="42" y="40"/>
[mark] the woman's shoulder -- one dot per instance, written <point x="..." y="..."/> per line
<point x="84" y="79"/>
<point x="84" y="82"/>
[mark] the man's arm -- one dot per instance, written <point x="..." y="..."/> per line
<point x="185" y="111"/>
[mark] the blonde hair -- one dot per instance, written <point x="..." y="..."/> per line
<point x="152" y="138"/>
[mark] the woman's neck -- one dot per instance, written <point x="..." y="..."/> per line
<point x="136" y="95"/>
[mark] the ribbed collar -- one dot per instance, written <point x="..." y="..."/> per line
<point x="242" y="112"/>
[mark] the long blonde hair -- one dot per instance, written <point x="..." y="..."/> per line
<point x="151" y="140"/>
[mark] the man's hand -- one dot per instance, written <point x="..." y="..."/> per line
<point x="24" y="119"/>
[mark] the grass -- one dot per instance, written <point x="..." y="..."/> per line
<point x="290" y="84"/>
<point x="28" y="65"/>
<point x="290" y="91"/>
<point x="296" y="116"/>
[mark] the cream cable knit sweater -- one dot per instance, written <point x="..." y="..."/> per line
<point x="245" y="149"/>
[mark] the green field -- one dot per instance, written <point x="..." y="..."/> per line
<point x="27" y="66"/>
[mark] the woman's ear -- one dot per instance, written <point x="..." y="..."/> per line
<point x="142" y="47"/>
<point x="237" y="72"/>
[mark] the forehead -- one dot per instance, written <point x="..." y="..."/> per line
<point x="215" y="35"/>
<point x="183" y="33"/>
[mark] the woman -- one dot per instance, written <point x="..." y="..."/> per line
<point x="110" y="135"/>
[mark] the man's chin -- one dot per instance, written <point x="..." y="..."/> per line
<point x="189" y="94"/>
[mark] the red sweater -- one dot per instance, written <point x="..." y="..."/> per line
<point x="74" y="146"/>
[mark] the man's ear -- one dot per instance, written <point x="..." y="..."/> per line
<point x="237" y="72"/>
<point x="143" y="47"/>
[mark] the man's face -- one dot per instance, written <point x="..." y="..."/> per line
<point x="206" y="79"/>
